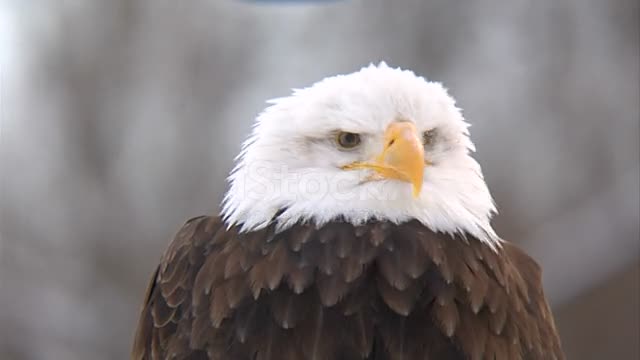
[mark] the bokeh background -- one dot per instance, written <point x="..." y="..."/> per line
<point x="120" y="119"/>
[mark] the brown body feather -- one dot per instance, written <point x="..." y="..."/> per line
<point x="377" y="291"/>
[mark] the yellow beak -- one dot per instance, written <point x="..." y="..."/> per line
<point x="402" y="157"/>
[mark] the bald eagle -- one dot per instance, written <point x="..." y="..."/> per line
<point x="356" y="226"/>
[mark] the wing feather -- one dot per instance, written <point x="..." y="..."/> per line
<point x="376" y="291"/>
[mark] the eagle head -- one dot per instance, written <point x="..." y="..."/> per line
<point x="379" y="144"/>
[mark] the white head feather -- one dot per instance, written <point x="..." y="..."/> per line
<point x="289" y="170"/>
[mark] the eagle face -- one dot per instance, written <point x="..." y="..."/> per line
<point x="377" y="144"/>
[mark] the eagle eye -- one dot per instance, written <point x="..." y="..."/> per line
<point x="429" y="137"/>
<point x="347" y="140"/>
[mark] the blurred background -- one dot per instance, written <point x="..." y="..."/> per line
<point x="120" y="119"/>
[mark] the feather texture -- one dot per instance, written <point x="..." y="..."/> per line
<point x="376" y="291"/>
